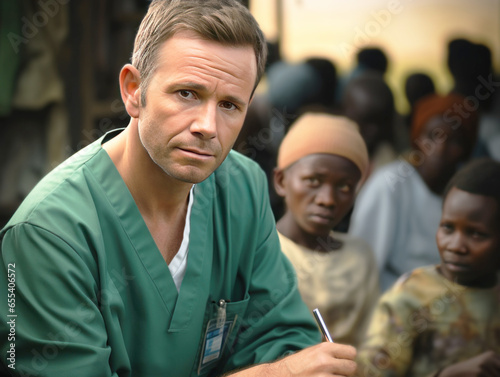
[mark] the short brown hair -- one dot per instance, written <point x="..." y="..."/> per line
<point x="224" y="21"/>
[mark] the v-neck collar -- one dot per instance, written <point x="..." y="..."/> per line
<point x="179" y="305"/>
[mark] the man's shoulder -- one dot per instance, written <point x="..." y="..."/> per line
<point x="237" y="160"/>
<point x="239" y="185"/>
<point x="238" y="170"/>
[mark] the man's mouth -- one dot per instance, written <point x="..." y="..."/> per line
<point x="196" y="153"/>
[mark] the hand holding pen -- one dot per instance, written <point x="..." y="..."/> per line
<point x="323" y="359"/>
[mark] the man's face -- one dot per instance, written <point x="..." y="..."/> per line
<point x="468" y="238"/>
<point x="195" y="105"/>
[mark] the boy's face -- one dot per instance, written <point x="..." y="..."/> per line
<point x="468" y="239"/>
<point x="319" y="190"/>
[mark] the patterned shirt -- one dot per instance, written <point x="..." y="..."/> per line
<point x="426" y="322"/>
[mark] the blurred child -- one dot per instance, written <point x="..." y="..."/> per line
<point x="369" y="102"/>
<point x="398" y="209"/>
<point x="322" y="162"/>
<point x="444" y="320"/>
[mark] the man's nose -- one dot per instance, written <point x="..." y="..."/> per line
<point x="205" y="123"/>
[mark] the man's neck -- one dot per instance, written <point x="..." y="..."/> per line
<point x="161" y="199"/>
<point x="156" y="194"/>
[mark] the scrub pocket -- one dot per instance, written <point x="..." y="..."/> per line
<point x="221" y="325"/>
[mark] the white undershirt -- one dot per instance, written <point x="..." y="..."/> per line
<point x="178" y="264"/>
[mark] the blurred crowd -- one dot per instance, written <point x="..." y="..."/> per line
<point x="367" y="240"/>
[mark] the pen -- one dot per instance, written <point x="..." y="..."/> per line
<point x="322" y="326"/>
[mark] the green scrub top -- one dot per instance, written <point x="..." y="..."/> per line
<point x="94" y="297"/>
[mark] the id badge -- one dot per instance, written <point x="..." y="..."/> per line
<point x="215" y="338"/>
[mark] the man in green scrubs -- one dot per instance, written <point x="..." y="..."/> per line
<point x="153" y="251"/>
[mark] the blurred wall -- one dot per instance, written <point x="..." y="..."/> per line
<point x="414" y="33"/>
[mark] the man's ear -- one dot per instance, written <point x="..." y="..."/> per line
<point x="279" y="185"/>
<point x="130" y="80"/>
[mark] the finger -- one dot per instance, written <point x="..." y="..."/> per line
<point x="339" y="351"/>
<point x="343" y="367"/>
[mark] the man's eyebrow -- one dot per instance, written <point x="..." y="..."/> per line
<point x="236" y="100"/>
<point x="202" y="88"/>
<point x="188" y="85"/>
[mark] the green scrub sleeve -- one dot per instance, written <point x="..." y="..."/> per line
<point x="59" y="330"/>
<point x="276" y="322"/>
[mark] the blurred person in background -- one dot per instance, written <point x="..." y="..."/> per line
<point x="471" y="67"/>
<point x="33" y="114"/>
<point x="399" y="207"/>
<point x="417" y="86"/>
<point x="368" y="58"/>
<point x="369" y="102"/>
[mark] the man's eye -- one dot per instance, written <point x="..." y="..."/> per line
<point x="187" y="94"/>
<point x="228" y="105"/>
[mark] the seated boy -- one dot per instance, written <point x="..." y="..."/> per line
<point x="322" y="162"/>
<point x="444" y="320"/>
